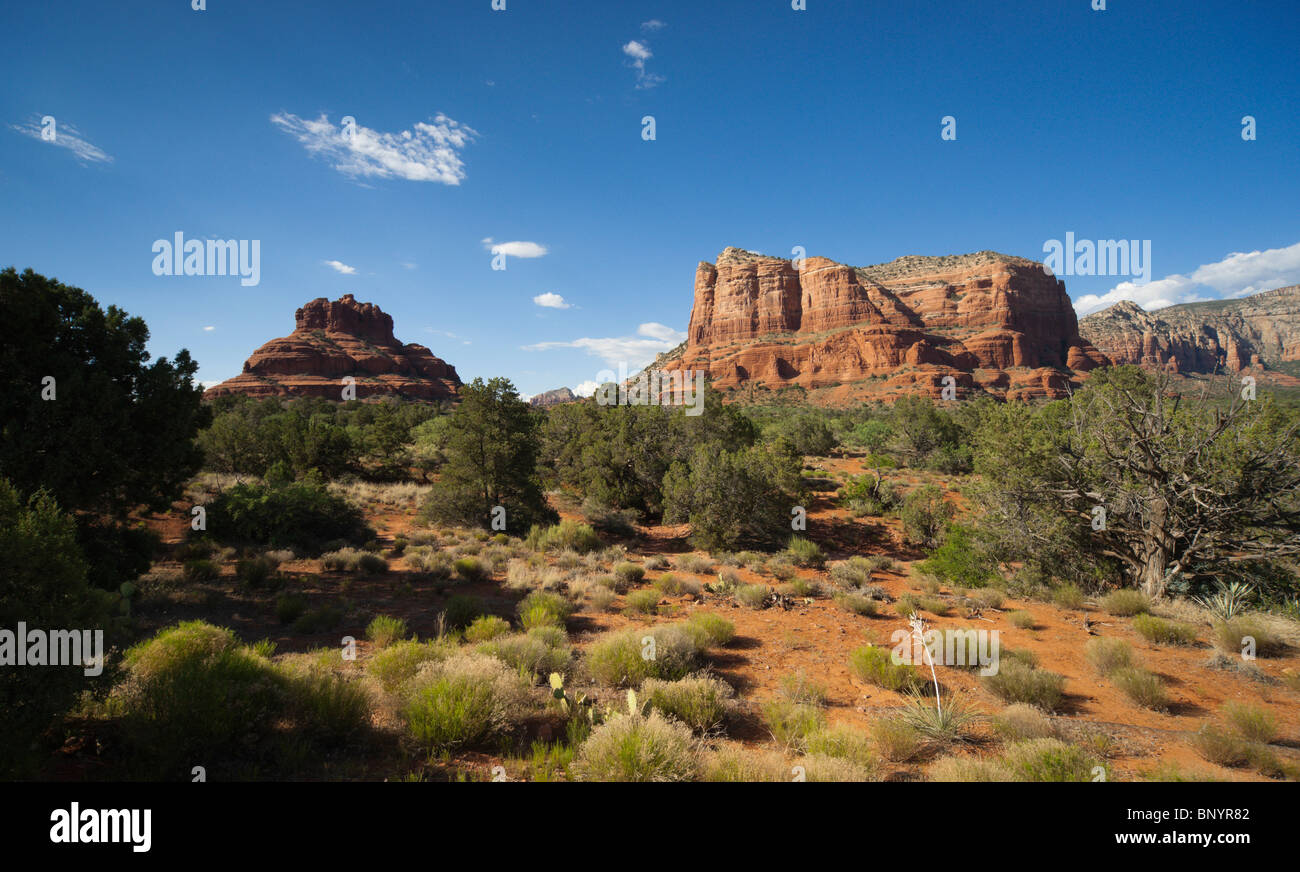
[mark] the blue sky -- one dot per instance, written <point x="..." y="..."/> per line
<point x="774" y="128"/>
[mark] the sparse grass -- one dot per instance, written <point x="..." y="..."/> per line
<point x="856" y="603"/>
<point x="1142" y="687"/>
<point x="602" y="599"/>
<point x="1022" y="620"/>
<point x="1220" y="746"/>
<point x="752" y="595"/>
<point x="699" y="701"/>
<point x="1163" y="632"/>
<point x="385" y="630"/>
<point x="711" y="629"/>
<point x="798" y="687"/>
<point x="1234" y="636"/>
<point x="1107" y="655"/>
<point x="641" y="603"/>
<point x="1125" y="603"/>
<point x="1019" y="722"/>
<point x="733" y="764"/>
<point x="791" y="723"/>
<point x="1052" y="760"/>
<point x="1254" y="723"/>
<point x="969" y="769"/>
<point x="896" y="740"/>
<point x="1016" y="681"/>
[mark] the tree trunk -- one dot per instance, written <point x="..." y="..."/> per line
<point x="1153" y="572"/>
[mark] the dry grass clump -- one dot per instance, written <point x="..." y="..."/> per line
<point x="353" y="560"/>
<point x="1163" y="632"/>
<point x="1238" y="634"/>
<point x="1017" y="681"/>
<point x="1019" y="722"/>
<point x="629" y="657"/>
<point x="731" y="763"/>
<point x="875" y="665"/>
<point x="1142" y="687"/>
<point x="702" y="702"/>
<point x="637" y="748"/>
<point x="1125" y="603"/>
<point x="1108" y="655"/>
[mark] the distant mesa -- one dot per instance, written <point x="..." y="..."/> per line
<point x="553" y="398"/>
<point x="996" y="324"/>
<point x="1210" y="336"/>
<point x="332" y="340"/>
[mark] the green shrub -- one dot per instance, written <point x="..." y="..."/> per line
<point x="285" y="513"/>
<point x="1219" y="746"/>
<point x="635" y="748"/>
<point x="969" y="769"/>
<point x="1163" y="632"/>
<point x="1108" y="655"/>
<point x="791" y="723"/>
<point x="958" y="561"/>
<point x="897" y="740"/>
<point x="1022" y="620"/>
<point x="485" y="628"/>
<point x="842" y="743"/>
<point x="875" y="665"/>
<point x="461" y="610"/>
<point x="400" y="661"/>
<point x="1067" y="596"/>
<point x="544" y="609"/>
<point x="1019" y="722"/>
<point x="925" y="515"/>
<point x="668" y="584"/>
<point x="642" y="602"/>
<point x="630" y="573"/>
<point x="940" y="725"/>
<point x="564" y="536"/>
<point x="806" y="553"/>
<point x="1254" y="723"/>
<point x="319" y="620"/>
<point x="699" y="701"/>
<point x="385" y="630"/>
<point x="538" y="652"/>
<point x="1125" y="602"/>
<point x="852" y="573"/>
<point x="1017" y="682"/>
<point x="469" y="568"/>
<point x="989" y="597"/>
<point x="753" y="595"/>
<point x="1142" y="687"/>
<point x="710" y="629"/>
<point x="353" y="560"/>
<point x="255" y="571"/>
<point x="290" y="607"/>
<point x="463" y="702"/>
<point x="798" y="687"/>
<point x="1050" y="760"/>
<point x="200" y="569"/>
<point x="856" y="603"/>
<point x="623" y="658"/>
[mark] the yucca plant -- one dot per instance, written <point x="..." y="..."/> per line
<point x="1228" y="601"/>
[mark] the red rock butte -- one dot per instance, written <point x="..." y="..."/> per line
<point x="998" y="324"/>
<point x="332" y="340"/>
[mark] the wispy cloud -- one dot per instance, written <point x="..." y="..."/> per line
<point x="429" y="152"/>
<point x="64" y="135"/>
<point x="551" y="301"/>
<point x="652" y="25"/>
<point x="209" y="329"/>
<point x="339" y="266"/>
<point x="1237" y="275"/>
<point x="635" y="351"/>
<point x="639" y="53"/>
<point x="515" y="249"/>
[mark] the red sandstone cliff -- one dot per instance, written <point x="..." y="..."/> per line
<point x="995" y="323"/>
<point x="332" y="340"/>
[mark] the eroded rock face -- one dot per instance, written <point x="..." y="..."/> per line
<point x="552" y="397"/>
<point x="334" y="339"/>
<point x="997" y="324"/>
<point x="1218" y="335"/>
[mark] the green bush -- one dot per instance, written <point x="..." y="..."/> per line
<point x="354" y="560"/>
<point x="642" y="602"/>
<point x="1067" y="596"/>
<point x="485" y="628"/>
<point x="958" y="561"/>
<point x="564" y="536"/>
<point x="400" y="661"/>
<point x="200" y="569"/>
<point x="805" y="552"/>
<point x="255" y="571"/>
<point x="1125" y="602"/>
<point x="469" y="568"/>
<point x="875" y="665"/>
<point x="1019" y="722"/>
<point x="1017" y="682"/>
<point x="544" y="609"/>
<point x="1142" y="687"/>
<point x="1255" y="723"/>
<point x="753" y="595"/>
<point x="925" y="515"/>
<point x="1232" y="636"/>
<point x="699" y="701"/>
<point x="1050" y="760"/>
<point x="461" y="610"/>
<point x="1108" y="655"/>
<point x="385" y="630"/>
<point x="538" y="652"/>
<point x="1163" y="632"/>
<point x="300" y="514"/>
<point x="623" y="658"/>
<point x="290" y="607"/>
<point x="791" y="723"/>
<point x="856" y="603"/>
<point x="710" y="629"/>
<point x="630" y="573"/>
<point x="635" y="748"/>
<point x="463" y="702"/>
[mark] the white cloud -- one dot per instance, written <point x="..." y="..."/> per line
<point x="652" y="25"/>
<point x="65" y="136"/>
<point x="639" y="52"/>
<point x="1237" y="275"/>
<point x="551" y="301"/>
<point x="634" y="351"/>
<point x="209" y="329"/>
<point x="339" y="266"/>
<point x="515" y="249"/>
<point x="585" y="389"/>
<point x="430" y="152"/>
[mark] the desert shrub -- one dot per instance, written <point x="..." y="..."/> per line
<point x="856" y="603"/>
<point x="656" y="562"/>
<point x="934" y="605"/>
<point x="710" y="629"/>
<point x="752" y="595"/>
<point x="782" y="571"/>
<point x="699" y="701"/>
<point x="668" y="584"/>
<point x="694" y="563"/>
<point x="732" y="764"/>
<point x="385" y="630"/>
<point x="805" y="552"/>
<point x="896" y="740"/>
<point x="1108" y="655"/>
<point x="255" y="571"/>
<point x="290" y="607"/>
<point x="842" y="743"/>
<point x="925" y="514"/>
<point x="622" y="658"/>
<point x="1019" y="722"/>
<point x="1163" y="632"/>
<point x="1219" y="746"/>
<point x="989" y="597"/>
<point x="1049" y="760"/>
<point x="1254" y="723"/>
<point x="1142" y="687"/>
<point x="538" y="652"/>
<point x="200" y="569"/>
<point x="1125" y="602"/>
<point x="544" y="609"/>
<point x="798" y="687"/>
<point x="641" y="602"/>
<point x="353" y="560"/>
<point x="1232" y="636"/>
<point x="1022" y="620"/>
<point x="461" y="610"/>
<point x="940" y="725"/>
<point x="906" y="605"/>
<point x="959" y="561"/>
<point x="875" y="665"/>
<point x="804" y="587"/>
<point x="463" y="701"/>
<point x="1067" y="596"/>
<point x="400" y="661"/>
<point x="822" y="768"/>
<point x="865" y="495"/>
<point x="602" y="598"/>
<point x="630" y="573"/>
<point x="1016" y="682"/>
<point x="564" y="536"/>
<point x="791" y="723"/>
<point x="851" y="573"/>
<point x="486" y="627"/>
<point x="468" y="568"/>
<point x="603" y="516"/>
<point x="635" y="748"/>
<point x="437" y="564"/>
<point x="301" y="514"/>
<point x="969" y="769"/>
<point x="319" y="620"/>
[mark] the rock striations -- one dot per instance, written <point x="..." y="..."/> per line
<point x="1216" y="335"/>
<point x="336" y="339"/>
<point x="996" y="324"/>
